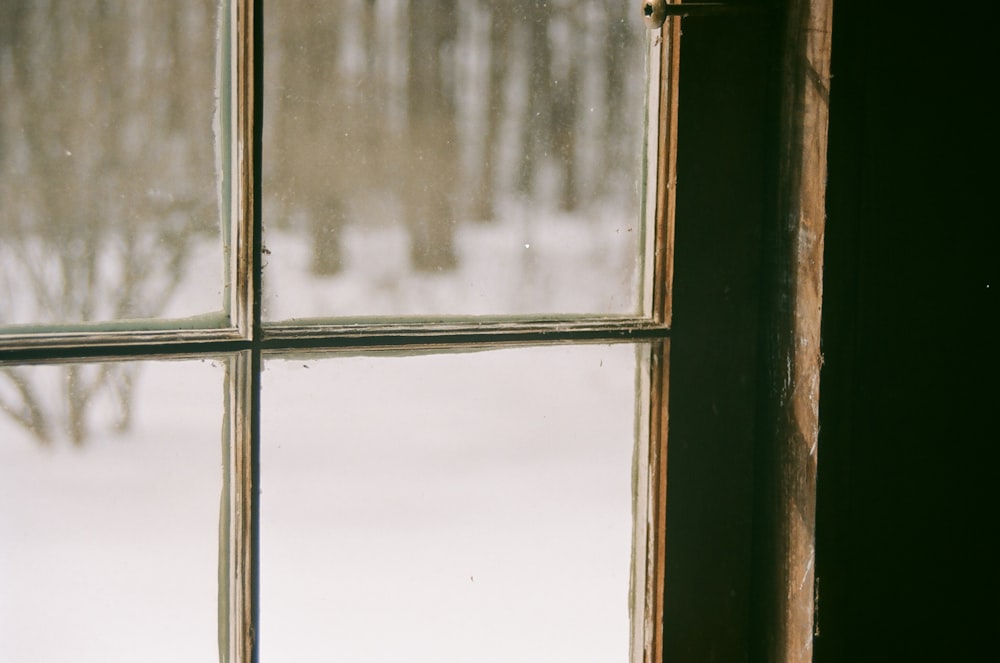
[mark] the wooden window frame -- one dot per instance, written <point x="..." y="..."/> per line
<point x="773" y="560"/>
<point x="745" y="359"/>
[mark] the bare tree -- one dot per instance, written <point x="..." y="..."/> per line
<point x="310" y="125"/>
<point x="567" y="53"/>
<point x="107" y="173"/>
<point x="503" y="21"/>
<point x="432" y="138"/>
<point x="622" y="63"/>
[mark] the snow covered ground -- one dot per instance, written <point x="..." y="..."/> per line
<point x="530" y="261"/>
<point x="462" y="507"/>
<point x="109" y="552"/>
<point x="451" y="507"/>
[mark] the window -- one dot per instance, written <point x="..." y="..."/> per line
<point x="413" y="267"/>
<point x="427" y="326"/>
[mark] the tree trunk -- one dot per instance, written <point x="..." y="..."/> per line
<point x="431" y="178"/>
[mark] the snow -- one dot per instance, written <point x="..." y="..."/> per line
<point x="110" y="552"/>
<point x="529" y="261"/>
<point x="450" y="507"/>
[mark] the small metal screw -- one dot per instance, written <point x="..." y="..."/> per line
<point x="654" y="13"/>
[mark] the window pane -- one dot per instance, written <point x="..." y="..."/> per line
<point x="110" y="483"/>
<point x="420" y="508"/>
<point x="460" y="158"/>
<point x="109" y="161"/>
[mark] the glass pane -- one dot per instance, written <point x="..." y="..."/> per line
<point x="462" y="158"/>
<point x="449" y="507"/>
<point x="109" y="161"/>
<point x="110" y="484"/>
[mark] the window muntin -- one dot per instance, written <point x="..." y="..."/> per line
<point x="239" y="524"/>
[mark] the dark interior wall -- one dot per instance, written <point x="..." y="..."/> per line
<point x="907" y="519"/>
<point x="907" y="508"/>
<point x="721" y="202"/>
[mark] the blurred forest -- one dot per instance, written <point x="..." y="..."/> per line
<point x="108" y="177"/>
<point x="107" y="155"/>
<point x="431" y="112"/>
<point x="427" y="114"/>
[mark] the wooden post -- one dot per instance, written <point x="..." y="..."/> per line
<point x="786" y="482"/>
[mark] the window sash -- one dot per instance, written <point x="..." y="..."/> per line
<point x="239" y="325"/>
<point x="240" y="338"/>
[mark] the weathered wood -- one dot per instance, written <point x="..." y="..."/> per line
<point x="666" y="172"/>
<point x="784" y="565"/>
<point x="667" y="39"/>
